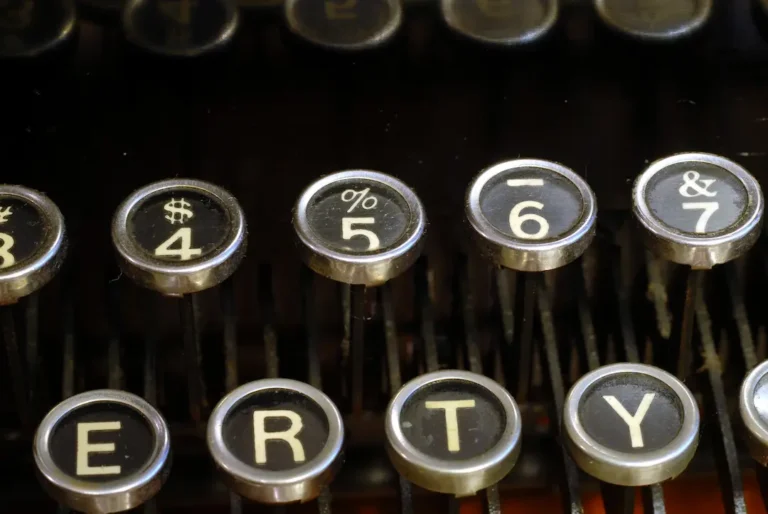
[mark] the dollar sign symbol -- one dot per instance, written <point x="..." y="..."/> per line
<point x="178" y="211"/>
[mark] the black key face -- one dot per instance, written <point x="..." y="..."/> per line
<point x="276" y="430"/>
<point x="28" y="27"/>
<point x="181" y="26"/>
<point x="359" y="216"/>
<point x="180" y="226"/>
<point x="453" y="420"/>
<point x="697" y="198"/>
<point x="102" y="442"/>
<point x="659" y="16"/>
<point x="343" y="22"/>
<point x="499" y="19"/>
<point x="23" y="232"/>
<point x="532" y="205"/>
<point x="631" y="413"/>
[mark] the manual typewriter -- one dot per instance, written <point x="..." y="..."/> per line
<point x="383" y="256"/>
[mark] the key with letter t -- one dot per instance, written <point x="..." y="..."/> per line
<point x="103" y="451"/>
<point x="276" y="440"/>
<point x="453" y="432"/>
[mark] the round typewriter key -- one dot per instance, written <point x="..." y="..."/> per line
<point x="179" y="236"/>
<point x="180" y="28"/>
<point x="276" y="440"/>
<point x="103" y="451"/>
<point x="30" y="27"/>
<point x="655" y="20"/>
<point x="344" y="24"/>
<point x="698" y="209"/>
<point x="631" y="424"/>
<point x="360" y="227"/>
<point x="32" y="242"/>
<point x="501" y="22"/>
<point x="753" y="407"/>
<point x="453" y="432"/>
<point x="531" y="215"/>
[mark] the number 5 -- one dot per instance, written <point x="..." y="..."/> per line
<point x="707" y="208"/>
<point x="347" y="232"/>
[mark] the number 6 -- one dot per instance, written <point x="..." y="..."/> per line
<point x="516" y="221"/>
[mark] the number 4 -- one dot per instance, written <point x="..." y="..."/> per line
<point x="185" y="251"/>
<point x="707" y="208"/>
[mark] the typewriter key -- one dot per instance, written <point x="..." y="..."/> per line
<point x="276" y="440"/>
<point x="180" y="28"/>
<point x="103" y="451"/>
<point x="753" y="407"/>
<point x="698" y="209"/>
<point x="631" y="424"/>
<point x="453" y="432"/>
<point x="344" y="24"/>
<point x="179" y="236"/>
<point x="531" y="215"/>
<point x="30" y="27"/>
<point x="32" y="242"/>
<point x="655" y="20"/>
<point x="359" y="227"/>
<point x="501" y="22"/>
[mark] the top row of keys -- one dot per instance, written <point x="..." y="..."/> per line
<point x="190" y="28"/>
<point x="183" y="236"/>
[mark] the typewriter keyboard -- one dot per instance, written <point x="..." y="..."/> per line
<point x="383" y="256"/>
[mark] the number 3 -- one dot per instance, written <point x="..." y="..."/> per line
<point x="347" y="232"/>
<point x="185" y="251"/>
<point x="7" y="243"/>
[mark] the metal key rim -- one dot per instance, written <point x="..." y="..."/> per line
<point x="756" y="428"/>
<point x="154" y="468"/>
<point x="40" y="268"/>
<point x="66" y="29"/>
<point x="516" y="253"/>
<point x="693" y="25"/>
<point x="283" y="482"/>
<point x="628" y="469"/>
<point x="495" y="463"/>
<point x="703" y="251"/>
<point x="224" y="37"/>
<point x="547" y="23"/>
<point x="177" y="278"/>
<point x="356" y="269"/>
<point x="384" y="34"/>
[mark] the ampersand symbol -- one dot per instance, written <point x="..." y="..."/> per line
<point x="693" y="187"/>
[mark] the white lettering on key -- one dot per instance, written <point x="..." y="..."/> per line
<point x="85" y="448"/>
<point x="633" y="422"/>
<point x="261" y="436"/>
<point x="452" y="419"/>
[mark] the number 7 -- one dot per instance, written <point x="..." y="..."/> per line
<point x="707" y="208"/>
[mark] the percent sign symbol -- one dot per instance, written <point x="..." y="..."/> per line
<point x="361" y="198"/>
